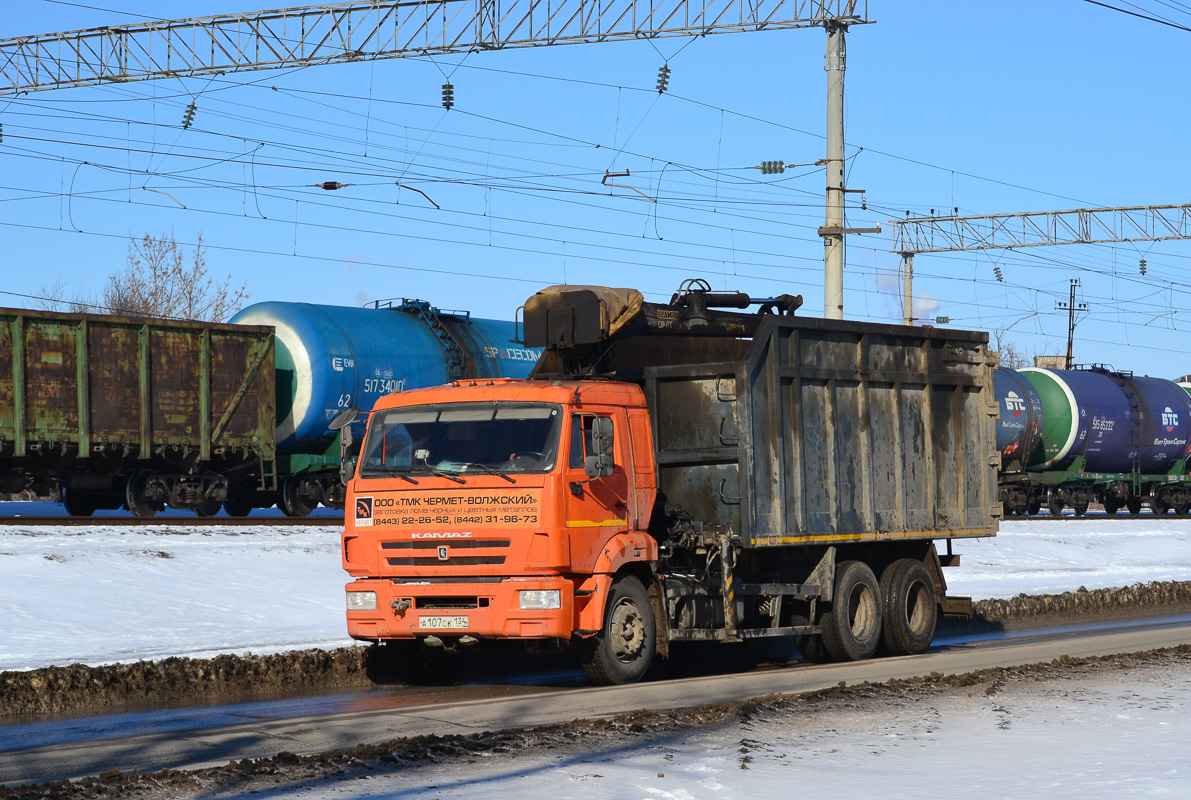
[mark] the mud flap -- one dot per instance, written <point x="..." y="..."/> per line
<point x="956" y="606"/>
<point x="661" y="622"/>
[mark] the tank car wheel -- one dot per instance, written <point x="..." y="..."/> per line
<point x="852" y="629"/>
<point x="1054" y="505"/>
<point x="76" y="502"/>
<point x="1159" y="505"/>
<point x="909" y="607"/>
<point x="208" y="509"/>
<point x="292" y="502"/>
<point x="1033" y="507"/>
<point x="1080" y="507"/>
<point x="1181" y="507"/>
<point x="134" y="496"/>
<point x="621" y="652"/>
<point x="1111" y="505"/>
<point x="238" y="506"/>
<point x="1134" y="505"/>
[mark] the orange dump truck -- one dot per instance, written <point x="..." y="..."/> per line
<point x="676" y="472"/>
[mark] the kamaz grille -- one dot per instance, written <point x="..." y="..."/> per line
<point x="439" y="553"/>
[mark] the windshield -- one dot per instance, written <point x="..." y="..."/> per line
<point x="462" y="437"/>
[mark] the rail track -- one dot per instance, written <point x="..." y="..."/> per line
<point x="180" y="522"/>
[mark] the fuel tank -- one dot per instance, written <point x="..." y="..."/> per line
<point x="333" y="357"/>
<point x="1019" y="424"/>
<point x="1114" y="420"/>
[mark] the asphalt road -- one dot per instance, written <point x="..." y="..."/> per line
<point x="129" y="746"/>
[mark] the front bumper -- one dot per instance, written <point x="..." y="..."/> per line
<point x="484" y="609"/>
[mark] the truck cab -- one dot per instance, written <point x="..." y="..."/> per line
<point x="495" y="509"/>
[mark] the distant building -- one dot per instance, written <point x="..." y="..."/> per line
<point x="1050" y="362"/>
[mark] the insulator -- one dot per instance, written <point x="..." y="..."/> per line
<point x="188" y="117"/>
<point x="448" y="95"/>
<point x="331" y="186"/>
<point x="863" y="203"/>
<point x="1" y="133"/>
<point x="1142" y="266"/>
<point x="663" y="78"/>
<point x="773" y="167"/>
<point x="997" y="272"/>
<point x="942" y="320"/>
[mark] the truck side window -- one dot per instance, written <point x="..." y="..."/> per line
<point x="581" y="445"/>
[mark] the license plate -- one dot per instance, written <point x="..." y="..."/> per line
<point x="442" y="623"/>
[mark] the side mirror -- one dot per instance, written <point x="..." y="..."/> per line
<point x="344" y="418"/>
<point x="600" y="463"/>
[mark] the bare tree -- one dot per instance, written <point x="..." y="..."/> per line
<point x="159" y="280"/>
<point x="1008" y="353"/>
<point x="55" y="298"/>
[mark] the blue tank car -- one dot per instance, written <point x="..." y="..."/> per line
<point x="1107" y="436"/>
<point x="330" y="358"/>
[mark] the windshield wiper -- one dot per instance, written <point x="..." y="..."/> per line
<point x="442" y="473"/>
<point x="490" y="470"/>
<point x="390" y="471"/>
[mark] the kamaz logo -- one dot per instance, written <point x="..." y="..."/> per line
<point x="339" y="364"/>
<point x="1170" y="419"/>
<point x="448" y="535"/>
<point x="1014" y="404"/>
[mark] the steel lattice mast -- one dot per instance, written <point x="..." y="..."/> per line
<point x="1033" y="229"/>
<point x="343" y="32"/>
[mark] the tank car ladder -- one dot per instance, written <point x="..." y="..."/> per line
<point x="456" y="356"/>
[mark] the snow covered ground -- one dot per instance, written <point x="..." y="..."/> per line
<point x="104" y="594"/>
<point x="1115" y="734"/>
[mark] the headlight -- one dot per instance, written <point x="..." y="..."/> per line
<point x="361" y="601"/>
<point x="540" y="599"/>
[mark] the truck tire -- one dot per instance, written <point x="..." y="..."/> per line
<point x="621" y="652"/>
<point x="909" y="607"/>
<point x="852" y="628"/>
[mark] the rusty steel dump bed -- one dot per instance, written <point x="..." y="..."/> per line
<point x="87" y="397"/>
<point x="830" y="432"/>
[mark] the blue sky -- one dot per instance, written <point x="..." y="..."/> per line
<point x="988" y="107"/>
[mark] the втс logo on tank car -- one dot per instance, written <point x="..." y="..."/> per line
<point x="1170" y="419"/>
<point x="1014" y="404"/>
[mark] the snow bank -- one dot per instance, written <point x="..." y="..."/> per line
<point x="106" y="594"/>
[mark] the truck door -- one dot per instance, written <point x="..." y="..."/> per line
<point x="596" y="509"/>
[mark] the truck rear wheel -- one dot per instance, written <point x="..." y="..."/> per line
<point x="909" y="607"/>
<point x="852" y="628"/>
<point x="621" y="652"/>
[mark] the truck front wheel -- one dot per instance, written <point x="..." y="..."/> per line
<point x="909" y="607"/>
<point x="852" y="629"/>
<point x="621" y="652"/>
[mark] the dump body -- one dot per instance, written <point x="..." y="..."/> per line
<point x="833" y="432"/>
<point x="86" y="399"/>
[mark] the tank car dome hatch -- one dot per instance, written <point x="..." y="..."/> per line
<point x="333" y="357"/>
